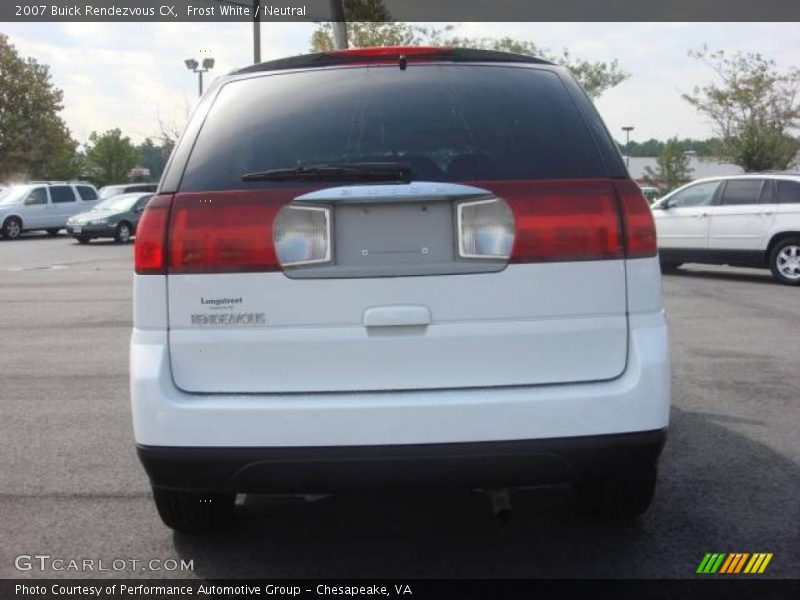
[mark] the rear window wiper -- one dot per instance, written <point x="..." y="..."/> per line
<point x="356" y="171"/>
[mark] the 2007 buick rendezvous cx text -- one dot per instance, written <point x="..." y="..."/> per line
<point x="456" y="280"/>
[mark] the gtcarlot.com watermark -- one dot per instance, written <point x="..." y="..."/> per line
<point x="46" y="562"/>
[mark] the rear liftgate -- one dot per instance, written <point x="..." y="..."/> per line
<point x="390" y="287"/>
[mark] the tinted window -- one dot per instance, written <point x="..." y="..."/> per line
<point x="788" y="192"/>
<point x="61" y="193"/>
<point x="142" y="203"/>
<point x="36" y="196"/>
<point x="147" y="187"/>
<point x="86" y="193"/>
<point x="451" y="123"/>
<point x="742" y="191"/>
<point x="700" y="194"/>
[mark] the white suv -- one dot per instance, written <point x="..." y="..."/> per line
<point x="416" y="266"/>
<point x="745" y="220"/>
<point x="45" y="205"/>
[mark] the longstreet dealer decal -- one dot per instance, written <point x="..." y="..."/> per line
<point x="226" y="318"/>
<point x="217" y="303"/>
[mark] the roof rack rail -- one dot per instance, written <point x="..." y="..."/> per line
<point x="382" y="54"/>
<point x="59" y="182"/>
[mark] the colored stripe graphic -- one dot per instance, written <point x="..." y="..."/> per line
<point x="758" y="563"/>
<point x="728" y="563"/>
<point x="765" y="563"/>
<point x="741" y="563"/>
<point x="711" y="563"/>
<point x="703" y="563"/>
<point x="734" y="562"/>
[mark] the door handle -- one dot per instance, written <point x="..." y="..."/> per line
<point x="701" y="216"/>
<point x="397" y="316"/>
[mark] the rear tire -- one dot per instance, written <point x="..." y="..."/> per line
<point x="194" y="512"/>
<point x="668" y="266"/>
<point x="83" y="239"/>
<point x="12" y="228"/>
<point x="122" y="234"/>
<point x="784" y="261"/>
<point x="621" y="497"/>
<point x="53" y="232"/>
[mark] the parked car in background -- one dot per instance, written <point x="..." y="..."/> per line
<point x="126" y="188"/>
<point x="742" y="220"/>
<point x="43" y="205"/>
<point x="115" y="217"/>
<point x="651" y="193"/>
<point x="453" y="281"/>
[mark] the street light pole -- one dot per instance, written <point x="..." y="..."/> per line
<point x="627" y="129"/>
<point x="339" y="25"/>
<point x="192" y="65"/>
<point x="256" y="33"/>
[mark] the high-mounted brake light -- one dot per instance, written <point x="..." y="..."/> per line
<point x="390" y="51"/>
<point x="151" y="237"/>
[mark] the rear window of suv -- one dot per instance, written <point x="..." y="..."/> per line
<point x="788" y="192"/>
<point x="450" y="122"/>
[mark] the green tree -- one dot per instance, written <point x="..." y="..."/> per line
<point x="754" y="108"/>
<point x="672" y="167"/>
<point x="370" y="24"/>
<point x="110" y="157"/>
<point x="34" y="141"/>
<point x="154" y="157"/>
<point x="654" y="147"/>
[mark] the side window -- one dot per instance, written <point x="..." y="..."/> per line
<point x="700" y="194"/>
<point x="738" y="192"/>
<point x="61" y="194"/>
<point x="142" y="203"/>
<point x="36" y="196"/>
<point x="788" y="192"/>
<point x="86" y="193"/>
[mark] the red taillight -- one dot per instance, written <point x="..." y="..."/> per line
<point x="227" y="232"/>
<point x="564" y="220"/>
<point x="151" y="234"/>
<point x="640" y="228"/>
<point x="222" y="233"/>
<point x="388" y="51"/>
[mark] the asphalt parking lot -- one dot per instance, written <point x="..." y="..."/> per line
<point x="71" y="486"/>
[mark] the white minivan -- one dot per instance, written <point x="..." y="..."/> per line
<point x="742" y="220"/>
<point x="392" y="267"/>
<point x="45" y="206"/>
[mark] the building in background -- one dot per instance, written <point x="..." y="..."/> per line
<point x="700" y="167"/>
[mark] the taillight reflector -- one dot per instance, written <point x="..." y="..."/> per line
<point x="151" y="234"/>
<point x="213" y="234"/>
<point x="564" y="221"/>
<point x="640" y="228"/>
<point x="554" y="220"/>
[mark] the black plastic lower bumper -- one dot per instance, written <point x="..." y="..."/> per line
<point x="339" y="468"/>
<point x="91" y="232"/>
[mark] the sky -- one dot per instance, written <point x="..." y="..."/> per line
<point x="132" y="75"/>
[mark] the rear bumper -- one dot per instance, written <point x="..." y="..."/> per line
<point x="636" y="401"/>
<point x="91" y="231"/>
<point x="340" y="468"/>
